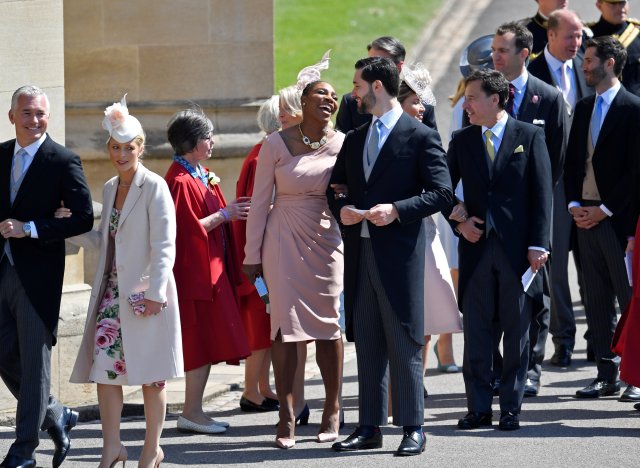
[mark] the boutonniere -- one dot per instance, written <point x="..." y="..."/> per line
<point x="535" y="98"/>
<point x="519" y="149"/>
<point x="213" y="178"/>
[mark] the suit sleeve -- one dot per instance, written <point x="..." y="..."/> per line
<point x="540" y="181"/>
<point x="339" y="176"/>
<point x="557" y="135"/>
<point x="76" y="196"/>
<point x="436" y="183"/>
<point x="574" y="162"/>
<point x="454" y="173"/>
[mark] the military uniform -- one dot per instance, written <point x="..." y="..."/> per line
<point x="628" y="33"/>
<point x="538" y="27"/>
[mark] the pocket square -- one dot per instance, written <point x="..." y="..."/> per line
<point x="538" y="122"/>
<point x="519" y="149"/>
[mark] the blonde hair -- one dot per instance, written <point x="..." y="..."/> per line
<point x="268" y="115"/>
<point x="458" y="94"/>
<point x="290" y="96"/>
<point x="139" y="140"/>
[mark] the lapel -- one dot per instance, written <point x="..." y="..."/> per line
<point x="359" y="136"/>
<point x="37" y="171"/>
<point x="582" y="89"/>
<point x="510" y="139"/>
<point x="396" y="140"/>
<point x="110" y="190"/>
<point x="6" y="155"/>
<point x="529" y="109"/>
<point x="478" y="154"/>
<point x="544" y="73"/>
<point x="134" y="192"/>
<point x="611" y="119"/>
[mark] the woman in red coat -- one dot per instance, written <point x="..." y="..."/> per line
<point x="257" y="395"/>
<point x="626" y="341"/>
<point x="206" y="268"/>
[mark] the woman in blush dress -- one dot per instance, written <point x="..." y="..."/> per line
<point x="132" y="333"/>
<point x="207" y="271"/>
<point x="441" y="315"/>
<point x="297" y="247"/>
<point x="257" y="395"/>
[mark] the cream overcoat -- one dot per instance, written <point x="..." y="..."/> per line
<point x="144" y="255"/>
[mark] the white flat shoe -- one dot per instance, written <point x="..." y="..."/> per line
<point x="224" y="424"/>
<point x="184" y="425"/>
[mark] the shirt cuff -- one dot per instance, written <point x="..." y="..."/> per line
<point x="541" y="249"/>
<point x="573" y="204"/>
<point x="606" y="210"/>
<point x="34" y="231"/>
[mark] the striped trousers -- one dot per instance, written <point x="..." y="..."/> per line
<point x="384" y="349"/>
<point x="605" y="280"/>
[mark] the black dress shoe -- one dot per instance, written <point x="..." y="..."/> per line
<point x="14" y="461"/>
<point x="358" y="441"/>
<point x="495" y="385"/>
<point x="508" y="421"/>
<point x="249" y="406"/>
<point x="412" y="444"/>
<point x="474" y="421"/>
<point x="426" y="394"/>
<point x="59" y="434"/>
<point x="599" y="388"/>
<point x="271" y="402"/>
<point x="531" y="388"/>
<point x="631" y="394"/>
<point x="637" y="406"/>
<point x="562" y="356"/>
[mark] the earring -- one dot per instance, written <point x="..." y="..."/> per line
<point x="304" y="104"/>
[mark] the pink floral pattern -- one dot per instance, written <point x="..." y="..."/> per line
<point x="109" y="365"/>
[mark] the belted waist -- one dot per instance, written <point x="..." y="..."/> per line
<point x="300" y="200"/>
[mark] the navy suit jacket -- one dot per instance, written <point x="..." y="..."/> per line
<point x="615" y="158"/>
<point x="518" y="194"/>
<point x="410" y="172"/>
<point x="55" y="175"/>
<point x="543" y="102"/>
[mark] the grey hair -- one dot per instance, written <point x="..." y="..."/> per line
<point x="268" y="115"/>
<point x="186" y="128"/>
<point x="291" y="97"/>
<point x="28" y="90"/>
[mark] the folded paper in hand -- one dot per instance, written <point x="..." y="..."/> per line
<point x="527" y="278"/>
<point x="356" y="210"/>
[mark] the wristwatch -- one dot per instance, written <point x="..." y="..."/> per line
<point x="26" y="228"/>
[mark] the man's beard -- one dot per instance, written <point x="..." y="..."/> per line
<point x="367" y="102"/>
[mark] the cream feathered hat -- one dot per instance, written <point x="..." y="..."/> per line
<point x="418" y="79"/>
<point x="312" y="72"/>
<point x="121" y="125"/>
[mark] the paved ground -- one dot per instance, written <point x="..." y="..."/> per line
<point x="557" y="429"/>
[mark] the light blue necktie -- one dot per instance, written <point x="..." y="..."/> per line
<point x="595" y="121"/>
<point x="372" y="147"/>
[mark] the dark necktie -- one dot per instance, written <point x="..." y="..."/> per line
<point x="510" y="101"/>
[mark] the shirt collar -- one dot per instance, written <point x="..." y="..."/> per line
<point x="498" y="128"/>
<point x="610" y="93"/>
<point x="33" y="148"/>
<point x="521" y="81"/>
<point x="390" y="118"/>
<point x="553" y="62"/>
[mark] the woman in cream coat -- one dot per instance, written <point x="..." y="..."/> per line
<point x="136" y="239"/>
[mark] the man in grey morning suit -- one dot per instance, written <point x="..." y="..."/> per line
<point x="600" y="179"/>
<point x="36" y="174"/>
<point x="396" y="174"/>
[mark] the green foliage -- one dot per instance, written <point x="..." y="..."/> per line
<point x="305" y="29"/>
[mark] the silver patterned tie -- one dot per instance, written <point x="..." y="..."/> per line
<point x="372" y="147"/>
<point x="18" y="165"/>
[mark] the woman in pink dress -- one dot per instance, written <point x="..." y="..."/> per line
<point x="297" y="247"/>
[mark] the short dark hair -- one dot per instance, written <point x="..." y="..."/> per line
<point x="383" y="69"/>
<point x="491" y="82"/>
<point x="524" y="38"/>
<point x="186" y="128"/>
<point x="608" y="47"/>
<point x="391" y="46"/>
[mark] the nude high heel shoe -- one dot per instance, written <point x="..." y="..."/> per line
<point x="122" y="457"/>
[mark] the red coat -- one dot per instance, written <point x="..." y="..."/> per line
<point x="199" y="255"/>
<point x="626" y="340"/>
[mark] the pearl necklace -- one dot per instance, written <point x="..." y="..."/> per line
<point x="313" y="144"/>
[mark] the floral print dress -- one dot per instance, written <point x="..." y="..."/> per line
<point x="109" y="366"/>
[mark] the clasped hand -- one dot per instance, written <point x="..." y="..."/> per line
<point x="12" y="228"/>
<point x="380" y="215"/>
<point x="150" y="307"/>
<point x="587" y="217"/>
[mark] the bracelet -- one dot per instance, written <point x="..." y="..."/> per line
<point x="225" y="214"/>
